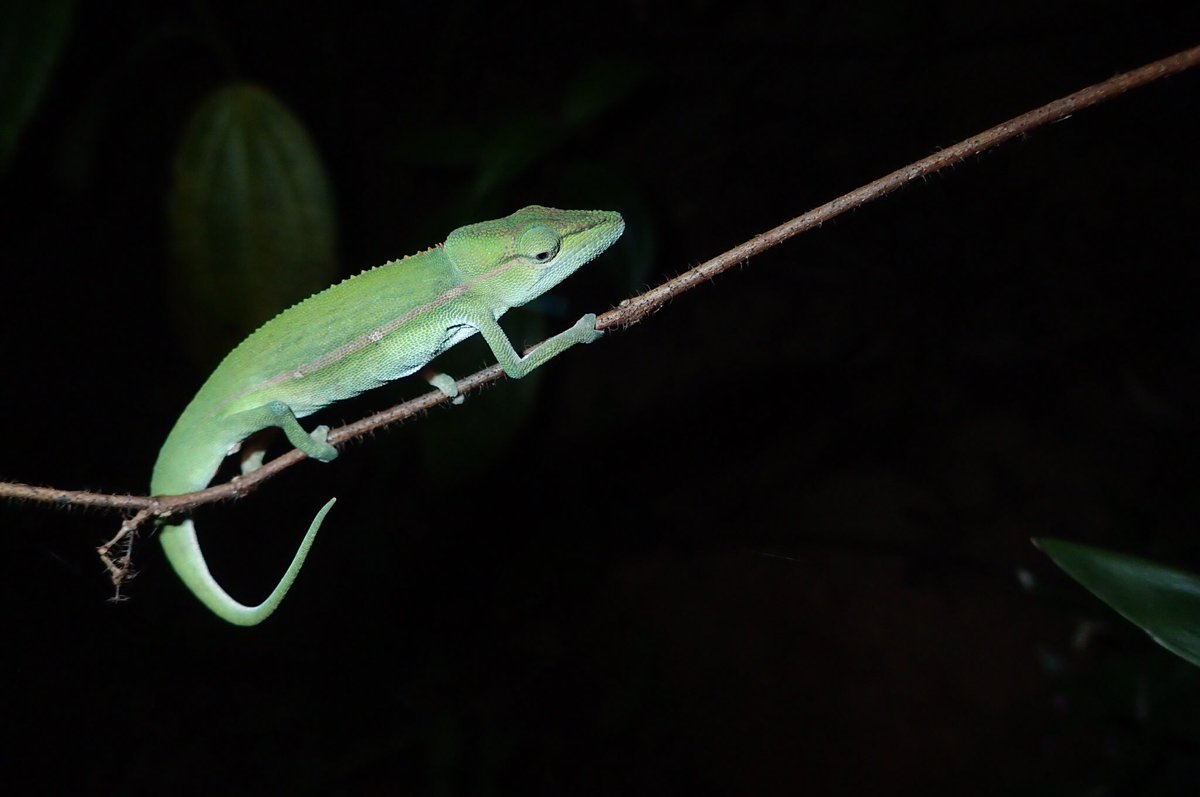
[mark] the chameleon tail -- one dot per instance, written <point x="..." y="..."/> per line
<point x="182" y="548"/>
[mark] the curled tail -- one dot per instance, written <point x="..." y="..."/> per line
<point x="182" y="548"/>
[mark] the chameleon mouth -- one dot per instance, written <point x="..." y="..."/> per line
<point x="593" y="239"/>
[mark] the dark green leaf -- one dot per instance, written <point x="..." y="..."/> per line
<point x="1162" y="601"/>
<point x="32" y="33"/>
<point x="252" y="224"/>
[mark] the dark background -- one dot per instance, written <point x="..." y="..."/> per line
<point x="767" y="542"/>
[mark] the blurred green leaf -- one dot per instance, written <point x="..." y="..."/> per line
<point x="32" y="33"/>
<point x="1162" y="601"/>
<point x="251" y="218"/>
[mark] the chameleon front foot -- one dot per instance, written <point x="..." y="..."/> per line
<point x="585" y="330"/>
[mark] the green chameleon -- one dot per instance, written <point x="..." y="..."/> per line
<point x="380" y="325"/>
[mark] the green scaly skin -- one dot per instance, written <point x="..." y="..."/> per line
<point x="372" y="328"/>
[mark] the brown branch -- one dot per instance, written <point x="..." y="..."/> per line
<point x="628" y="313"/>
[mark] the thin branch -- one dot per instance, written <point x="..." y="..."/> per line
<point x="630" y="311"/>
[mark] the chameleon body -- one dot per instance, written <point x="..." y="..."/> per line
<point x="380" y="325"/>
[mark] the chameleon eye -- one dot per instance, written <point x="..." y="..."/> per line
<point x="538" y="243"/>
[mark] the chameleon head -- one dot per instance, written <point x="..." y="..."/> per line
<point x="516" y="258"/>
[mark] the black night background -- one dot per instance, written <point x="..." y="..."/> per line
<point x="773" y="540"/>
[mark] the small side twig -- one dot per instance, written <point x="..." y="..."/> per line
<point x="120" y="569"/>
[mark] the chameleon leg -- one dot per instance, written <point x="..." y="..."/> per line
<point x="517" y="366"/>
<point x="252" y="459"/>
<point x="443" y="382"/>
<point x="276" y="413"/>
<point x="254" y="451"/>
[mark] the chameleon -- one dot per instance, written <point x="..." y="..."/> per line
<point x="382" y="324"/>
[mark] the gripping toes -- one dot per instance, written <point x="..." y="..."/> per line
<point x="585" y="329"/>
<point x="323" y="451"/>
